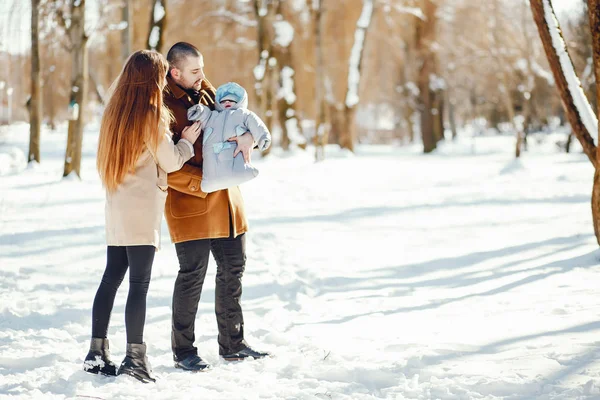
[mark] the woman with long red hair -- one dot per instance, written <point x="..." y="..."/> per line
<point x="135" y="153"/>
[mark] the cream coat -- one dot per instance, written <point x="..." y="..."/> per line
<point x="134" y="211"/>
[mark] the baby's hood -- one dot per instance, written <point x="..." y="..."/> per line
<point x="233" y="91"/>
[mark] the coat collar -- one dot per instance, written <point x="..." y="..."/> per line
<point x="174" y="88"/>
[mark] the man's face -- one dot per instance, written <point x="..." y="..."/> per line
<point x="190" y="73"/>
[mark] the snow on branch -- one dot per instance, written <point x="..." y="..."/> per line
<point x="159" y="12"/>
<point x="415" y="11"/>
<point x="284" y="33"/>
<point x="356" y="55"/>
<point x="225" y="14"/>
<point x="402" y="9"/>
<point x="286" y="91"/>
<point x="581" y="102"/>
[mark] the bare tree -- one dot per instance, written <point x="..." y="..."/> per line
<point x="265" y="12"/>
<point x="504" y="72"/>
<point x="158" y="25"/>
<point x="581" y="117"/>
<point x="321" y="133"/>
<point x="127" y="32"/>
<point x="354" y="75"/>
<point x="74" y="25"/>
<point x="594" y="17"/>
<point x="424" y="39"/>
<point x="286" y="82"/>
<point x="35" y="103"/>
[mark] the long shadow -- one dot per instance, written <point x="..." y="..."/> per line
<point x="24" y="364"/>
<point x="471" y="259"/>
<point x="367" y="212"/>
<point x="416" y="270"/>
<point x="43" y="321"/>
<point x="577" y="364"/>
<point x="494" y="347"/>
<point x="22" y="237"/>
<point x="459" y="280"/>
<point x="557" y="267"/>
<point x="75" y="202"/>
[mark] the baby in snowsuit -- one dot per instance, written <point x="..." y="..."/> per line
<point x="220" y="170"/>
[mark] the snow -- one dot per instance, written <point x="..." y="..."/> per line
<point x="293" y="131"/>
<point x="226" y="14"/>
<point x="436" y="82"/>
<point x="583" y="106"/>
<point x="12" y="159"/>
<point x="356" y="54"/>
<point x="158" y="12"/>
<point x="284" y="33"/>
<point x="154" y="36"/>
<point x="286" y="91"/>
<point x="299" y="5"/>
<point x="259" y="69"/>
<point x="414" y="11"/>
<point x="120" y="26"/>
<point x="387" y="274"/>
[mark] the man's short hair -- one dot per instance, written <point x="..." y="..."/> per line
<point x="179" y="51"/>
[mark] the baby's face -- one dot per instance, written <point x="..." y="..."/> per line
<point x="228" y="103"/>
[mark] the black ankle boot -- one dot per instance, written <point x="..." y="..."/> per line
<point x="136" y="363"/>
<point x="98" y="358"/>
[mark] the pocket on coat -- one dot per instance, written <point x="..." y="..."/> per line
<point x="181" y="205"/>
<point x="226" y="155"/>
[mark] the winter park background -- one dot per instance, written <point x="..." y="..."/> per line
<point x="377" y="272"/>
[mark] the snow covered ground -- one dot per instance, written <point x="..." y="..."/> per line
<point x="462" y="274"/>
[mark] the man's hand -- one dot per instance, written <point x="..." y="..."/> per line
<point x="245" y="144"/>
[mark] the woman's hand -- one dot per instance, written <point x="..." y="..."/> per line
<point x="191" y="133"/>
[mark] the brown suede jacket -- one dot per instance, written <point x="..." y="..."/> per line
<point x="190" y="213"/>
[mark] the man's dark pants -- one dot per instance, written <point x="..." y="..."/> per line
<point x="230" y="255"/>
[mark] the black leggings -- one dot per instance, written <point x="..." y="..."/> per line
<point x="118" y="258"/>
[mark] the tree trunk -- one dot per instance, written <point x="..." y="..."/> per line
<point x="127" y="33"/>
<point x="577" y="125"/>
<point x="286" y="96"/>
<point x="530" y="79"/>
<point x="158" y="24"/>
<point x="354" y="75"/>
<point x="264" y="11"/>
<point x="504" y="84"/>
<point x="451" y="116"/>
<point x="425" y="35"/>
<point x="48" y="98"/>
<point x="594" y="16"/>
<point x="79" y="87"/>
<point x="438" y="122"/>
<point x="408" y="115"/>
<point x="35" y="101"/>
<point x="321" y="134"/>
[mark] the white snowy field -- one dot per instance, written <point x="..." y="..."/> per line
<point x="390" y="274"/>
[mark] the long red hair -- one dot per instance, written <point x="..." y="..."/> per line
<point x="134" y="117"/>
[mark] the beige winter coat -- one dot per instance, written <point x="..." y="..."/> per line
<point x="134" y="211"/>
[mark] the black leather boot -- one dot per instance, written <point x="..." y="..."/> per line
<point x="243" y="354"/>
<point x="136" y="363"/>
<point x="98" y="358"/>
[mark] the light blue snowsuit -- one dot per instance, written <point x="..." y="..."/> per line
<point x="220" y="170"/>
